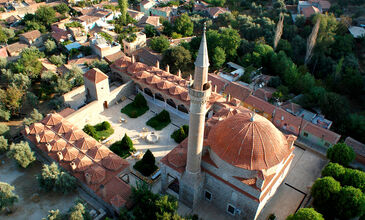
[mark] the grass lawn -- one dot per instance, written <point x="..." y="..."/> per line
<point x="134" y="111"/>
<point x="99" y="131"/>
<point x="159" y="121"/>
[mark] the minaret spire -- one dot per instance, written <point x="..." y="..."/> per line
<point x="201" y="64"/>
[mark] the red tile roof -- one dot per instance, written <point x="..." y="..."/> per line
<point x="218" y="81"/>
<point x="309" y="11"/>
<point x="358" y="147"/>
<point x="260" y="104"/>
<point x="31" y="35"/>
<point x="320" y="132"/>
<point x="238" y="91"/>
<point x="95" y="75"/>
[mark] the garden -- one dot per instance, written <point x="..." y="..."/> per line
<point x="160" y="121"/>
<point x="99" y="131"/>
<point x="146" y="166"/>
<point x="137" y="108"/>
<point x="123" y="148"/>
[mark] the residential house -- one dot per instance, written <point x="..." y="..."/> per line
<point x="139" y="42"/>
<point x="287" y="122"/>
<point x="165" y="12"/>
<point x="113" y="57"/>
<point x="310" y="7"/>
<point x="15" y="48"/>
<point x="136" y="15"/>
<point x="151" y="20"/>
<point x="214" y="12"/>
<point x="48" y="66"/>
<point x="317" y="135"/>
<point x="78" y="34"/>
<point x="235" y="72"/>
<point x="103" y="48"/>
<point x="146" y="5"/>
<point x="32" y="38"/>
<point x="359" y="149"/>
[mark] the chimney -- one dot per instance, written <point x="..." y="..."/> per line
<point x="168" y="68"/>
<point x="228" y="98"/>
<point x="158" y="64"/>
<point x="103" y="191"/>
<point x="37" y="138"/>
<point x="73" y="166"/>
<point x="179" y="73"/>
<point x="215" y="88"/>
<point x="49" y="147"/>
<point x="60" y="155"/>
<point x="133" y="59"/>
<point x="87" y="178"/>
<point x="27" y="129"/>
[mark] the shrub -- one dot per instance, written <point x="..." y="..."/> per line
<point x="146" y="166"/>
<point x="180" y="134"/>
<point x="341" y="153"/>
<point x="140" y="101"/>
<point x="90" y="130"/>
<point x="160" y="121"/>
<point x="22" y="153"/>
<point x="124" y="147"/>
<point x="4" y="129"/>
<point x="355" y="178"/>
<point x="99" y="131"/>
<point x="306" y="214"/>
<point x="7" y="196"/>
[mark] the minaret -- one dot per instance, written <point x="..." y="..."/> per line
<point x="199" y="91"/>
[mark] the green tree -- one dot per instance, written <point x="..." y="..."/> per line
<point x="11" y="99"/>
<point x="177" y="58"/>
<point x="305" y="214"/>
<point x="62" y="8"/>
<point x="183" y="25"/>
<point x="334" y="170"/>
<point x="355" y="178"/>
<point x="323" y="191"/>
<point x="35" y="116"/>
<point x="350" y="203"/>
<point x="46" y="15"/>
<point x="4" y="146"/>
<point x="123" y="5"/>
<point x="356" y="127"/>
<point x="78" y="212"/>
<point x="53" y="215"/>
<point x="219" y="57"/>
<point x="159" y="44"/>
<point x="341" y="153"/>
<point x="127" y="143"/>
<point x="32" y="99"/>
<point x="4" y="114"/>
<point x="57" y="60"/>
<point x="4" y="129"/>
<point x="50" y="46"/>
<point x="7" y="196"/>
<point x="29" y="63"/>
<point x="150" y="30"/>
<point x="48" y="176"/>
<point x="65" y="183"/>
<point x="22" y="153"/>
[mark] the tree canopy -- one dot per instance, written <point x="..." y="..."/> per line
<point x="305" y="214"/>
<point x="177" y="58"/>
<point x="7" y="195"/>
<point x="21" y="153"/>
<point x="159" y="44"/>
<point x="341" y="153"/>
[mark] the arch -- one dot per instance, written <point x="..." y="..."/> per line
<point x="148" y="92"/>
<point x="159" y="97"/>
<point x="182" y="108"/>
<point x="171" y="103"/>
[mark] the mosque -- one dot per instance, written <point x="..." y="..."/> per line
<point x="235" y="159"/>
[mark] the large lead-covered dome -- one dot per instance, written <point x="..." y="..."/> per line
<point x="248" y="141"/>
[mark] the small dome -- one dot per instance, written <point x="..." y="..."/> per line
<point x="153" y="79"/>
<point x="73" y="135"/>
<point x="185" y="96"/>
<point x="83" y="163"/>
<point x="70" y="153"/>
<point x="58" y="145"/>
<point x="86" y="143"/>
<point x="47" y="136"/>
<point x="52" y="119"/>
<point x="113" y="162"/>
<point x="136" y="67"/>
<point x="176" y="90"/>
<point x="63" y="127"/>
<point x="97" y="174"/>
<point x="142" y="75"/>
<point x="164" y="85"/>
<point x="248" y="141"/>
<point x="36" y="128"/>
<point x="98" y="153"/>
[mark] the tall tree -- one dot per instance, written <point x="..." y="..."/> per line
<point x="311" y="42"/>
<point x="123" y="5"/>
<point x="7" y="196"/>
<point x="279" y="30"/>
<point x="22" y="153"/>
<point x="34" y="117"/>
<point x="184" y="25"/>
<point x="341" y="153"/>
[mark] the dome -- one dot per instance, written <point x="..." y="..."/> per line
<point x="248" y="141"/>
<point x="113" y="162"/>
<point x="164" y="85"/>
<point x="142" y="75"/>
<point x="52" y="119"/>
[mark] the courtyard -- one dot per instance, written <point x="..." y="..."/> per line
<point x="33" y="203"/>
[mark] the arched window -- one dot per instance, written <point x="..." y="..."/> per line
<point x="148" y="92"/>
<point x="171" y="103"/>
<point x="159" y="97"/>
<point x="183" y="109"/>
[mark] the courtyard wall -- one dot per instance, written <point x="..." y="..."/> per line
<point x="75" y="98"/>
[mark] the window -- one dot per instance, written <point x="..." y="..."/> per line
<point x="305" y="134"/>
<point x="208" y="195"/>
<point x="231" y="209"/>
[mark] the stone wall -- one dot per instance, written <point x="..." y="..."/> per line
<point x="81" y="117"/>
<point x="116" y="94"/>
<point x="75" y="98"/>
